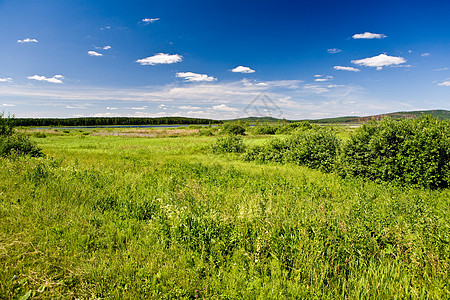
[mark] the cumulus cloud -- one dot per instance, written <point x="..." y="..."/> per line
<point x="54" y="79"/>
<point x="425" y="54"/>
<point x="445" y="83"/>
<point x="194" y="77"/>
<point x="341" y="68"/>
<point x="224" y="107"/>
<point x="112" y="108"/>
<point x="94" y="53"/>
<point x="368" y="35"/>
<point x="334" y="50"/>
<point x="148" y="20"/>
<point x="6" y="79"/>
<point x="242" y="69"/>
<point x="27" y="40"/>
<point x="380" y="61"/>
<point x="160" y="58"/>
<point x="107" y="47"/>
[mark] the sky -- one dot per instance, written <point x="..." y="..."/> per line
<point x="223" y="59"/>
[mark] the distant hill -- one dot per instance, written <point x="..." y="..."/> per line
<point x="439" y="113"/>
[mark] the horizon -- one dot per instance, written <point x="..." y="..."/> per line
<point x="215" y="60"/>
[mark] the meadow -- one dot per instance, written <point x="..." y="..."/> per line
<point x="103" y="215"/>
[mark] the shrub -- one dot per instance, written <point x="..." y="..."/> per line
<point x="207" y="131"/>
<point x="18" y="144"/>
<point x="230" y="128"/>
<point x="6" y="127"/>
<point x="265" y="129"/>
<point x="229" y="144"/>
<point x="409" y="151"/>
<point x="15" y="143"/>
<point x="39" y="134"/>
<point x="315" y="148"/>
<point x="295" y="127"/>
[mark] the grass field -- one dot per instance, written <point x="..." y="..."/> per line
<point x="129" y="217"/>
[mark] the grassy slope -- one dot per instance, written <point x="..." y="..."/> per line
<point x="120" y="217"/>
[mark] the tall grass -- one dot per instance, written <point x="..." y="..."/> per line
<point x="115" y="217"/>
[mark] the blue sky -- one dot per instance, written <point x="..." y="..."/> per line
<point x="312" y="59"/>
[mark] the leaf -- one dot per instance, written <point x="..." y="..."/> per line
<point x="26" y="296"/>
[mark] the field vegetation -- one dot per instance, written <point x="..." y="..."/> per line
<point x="215" y="213"/>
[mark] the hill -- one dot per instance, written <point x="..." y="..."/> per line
<point x="440" y="114"/>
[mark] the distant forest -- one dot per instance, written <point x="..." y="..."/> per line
<point x="110" y="121"/>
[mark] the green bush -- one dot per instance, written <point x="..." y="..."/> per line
<point x="315" y="148"/>
<point x="39" y="134"/>
<point x="18" y="144"/>
<point x="231" y="128"/>
<point x="409" y="151"/>
<point x="228" y="144"/>
<point x="15" y="143"/>
<point x="265" y="129"/>
<point x="295" y="127"/>
<point x="209" y="131"/>
<point x="6" y="127"/>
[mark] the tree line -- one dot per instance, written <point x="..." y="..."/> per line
<point x="99" y="121"/>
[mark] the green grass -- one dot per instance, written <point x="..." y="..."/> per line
<point x="127" y="217"/>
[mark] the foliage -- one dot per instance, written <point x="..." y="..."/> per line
<point x="209" y="131"/>
<point x="228" y="144"/>
<point x="409" y="151"/>
<point x="315" y="148"/>
<point x="15" y="143"/>
<point x="104" y="121"/>
<point x="232" y="128"/>
<point x="265" y="129"/>
<point x="133" y="218"/>
<point x="295" y="127"/>
<point x="6" y="126"/>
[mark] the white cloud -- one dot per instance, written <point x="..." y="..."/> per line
<point x="54" y="79"/>
<point x="334" y="50"/>
<point x="111" y="108"/>
<point x="380" y="61"/>
<point x="341" y="68"/>
<point x="148" y="20"/>
<point x="441" y="69"/>
<point x="368" y="35"/>
<point x="160" y="58"/>
<point x="194" y="77"/>
<point x="94" y="53"/>
<point x="261" y="84"/>
<point x="6" y="79"/>
<point x="242" y="69"/>
<point x="106" y="47"/>
<point x="319" y="78"/>
<point x="224" y="107"/>
<point x="445" y="83"/>
<point x="189" y="107"/>
<point x="27" y="40"/>
<point x="7" y="105"/>
<point x="76" y="107"/>
<point x="425" y="54"/>
<point x="137" y="108"/>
